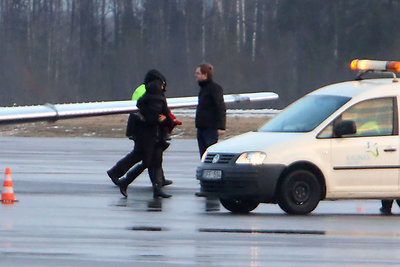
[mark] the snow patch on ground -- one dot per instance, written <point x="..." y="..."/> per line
<point x="231" y="112"/>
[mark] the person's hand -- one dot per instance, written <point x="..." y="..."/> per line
<point x="161" y="118"/>
<point x="221" y="132"/>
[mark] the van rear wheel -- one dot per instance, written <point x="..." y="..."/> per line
<point x="299" y="192"/>
<point x="239" y="204"/>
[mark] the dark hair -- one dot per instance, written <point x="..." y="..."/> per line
<point x="206" y="68"/>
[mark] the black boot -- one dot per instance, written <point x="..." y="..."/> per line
<point x="157" y="180"/>
<point x="166" y="182"/>
<point x="123" y="186"/>
<point x="158" y="192"/>
<point x="113" y="176"/>
<point x="130" y="177"/>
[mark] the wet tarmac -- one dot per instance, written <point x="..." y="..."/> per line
<point x="70" y="214"/>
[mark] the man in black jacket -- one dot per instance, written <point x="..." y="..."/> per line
<point x="211" y="112"/>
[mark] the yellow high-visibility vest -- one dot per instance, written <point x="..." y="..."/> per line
<point x="139" y="92"/>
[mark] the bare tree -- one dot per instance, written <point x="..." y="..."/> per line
<point x="70" y="50"/>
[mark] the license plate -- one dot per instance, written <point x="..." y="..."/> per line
<point x="212" y="174"/>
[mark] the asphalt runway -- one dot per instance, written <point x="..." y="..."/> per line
<point x="70" y="214"/>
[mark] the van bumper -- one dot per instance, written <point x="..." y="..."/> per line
<point x="259" y="182"/>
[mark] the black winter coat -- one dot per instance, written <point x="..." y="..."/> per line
<point x="211" y="111"/>
<point x="151" y="105"/>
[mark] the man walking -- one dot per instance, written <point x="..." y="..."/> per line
<point x="211" y="112"/>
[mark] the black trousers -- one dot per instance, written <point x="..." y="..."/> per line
<point x="387" y="204"/>
<point x="205" y="138"/>
<point x="151" y="160"/>
<point x="127" y="162"/>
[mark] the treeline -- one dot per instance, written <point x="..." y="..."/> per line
<point x="81" y="50"/>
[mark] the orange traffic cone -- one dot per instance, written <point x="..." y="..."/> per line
<point x="7" y="194"/>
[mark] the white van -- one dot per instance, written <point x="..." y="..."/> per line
<point x="338" y="142"/>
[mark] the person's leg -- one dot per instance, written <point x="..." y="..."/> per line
<point x="205" y="138"/>
<point x="165" y="182"/>
<point x="386" y="206"/>
<point x="210" y="137"/>
<point x="138" y="154"/>
<point x="123" y="165"/>
<point x="201" y="142"/>
<point x="130" y="177"/>
<point x="146" y="157"/>
<point x="156" y="173"/>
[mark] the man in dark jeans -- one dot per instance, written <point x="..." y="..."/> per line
<point x="211" y="112"/>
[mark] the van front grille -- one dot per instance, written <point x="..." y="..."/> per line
<point x="219" y="158"/>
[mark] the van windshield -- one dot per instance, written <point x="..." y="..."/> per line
<point x="305" y="114"/>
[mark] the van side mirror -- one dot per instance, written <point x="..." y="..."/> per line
<point x="344" y="127"/>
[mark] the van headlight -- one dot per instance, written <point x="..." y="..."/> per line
<point x="254" y="158"/>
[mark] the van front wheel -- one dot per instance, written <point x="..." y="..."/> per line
<point x="239" y="204"/>
<point x="299" y="192"/>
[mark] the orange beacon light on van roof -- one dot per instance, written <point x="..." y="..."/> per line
<point x="378" y="65"/>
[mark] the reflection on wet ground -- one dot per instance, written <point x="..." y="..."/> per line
<point x="70" y="214"/>
<point x="212" y="204"/>
<point x="148" y="228"/>
<point x="140" y="195"/>
<point x="261" y="231"/>
<point x="155" y="205"/>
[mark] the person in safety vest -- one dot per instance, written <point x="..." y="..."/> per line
<point x="123" y="165"/>
<point x="141" y="90"/>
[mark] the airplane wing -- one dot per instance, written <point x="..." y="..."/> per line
<point x="50" y="112"/>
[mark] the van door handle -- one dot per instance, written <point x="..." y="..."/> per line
<point x="390" y="149"/>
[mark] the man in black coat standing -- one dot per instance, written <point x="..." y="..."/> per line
<point x="211" y="112"/>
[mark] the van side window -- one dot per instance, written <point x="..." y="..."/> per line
<point x="373" y="117"/>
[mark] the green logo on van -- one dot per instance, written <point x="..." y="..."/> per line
<point x="373" y="149"/>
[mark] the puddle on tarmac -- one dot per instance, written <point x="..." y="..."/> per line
<point x="154" y="205"/>
<point x="148" y="228"/>
<point x="261" y="231"/>
<point x="150" y="205"/>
